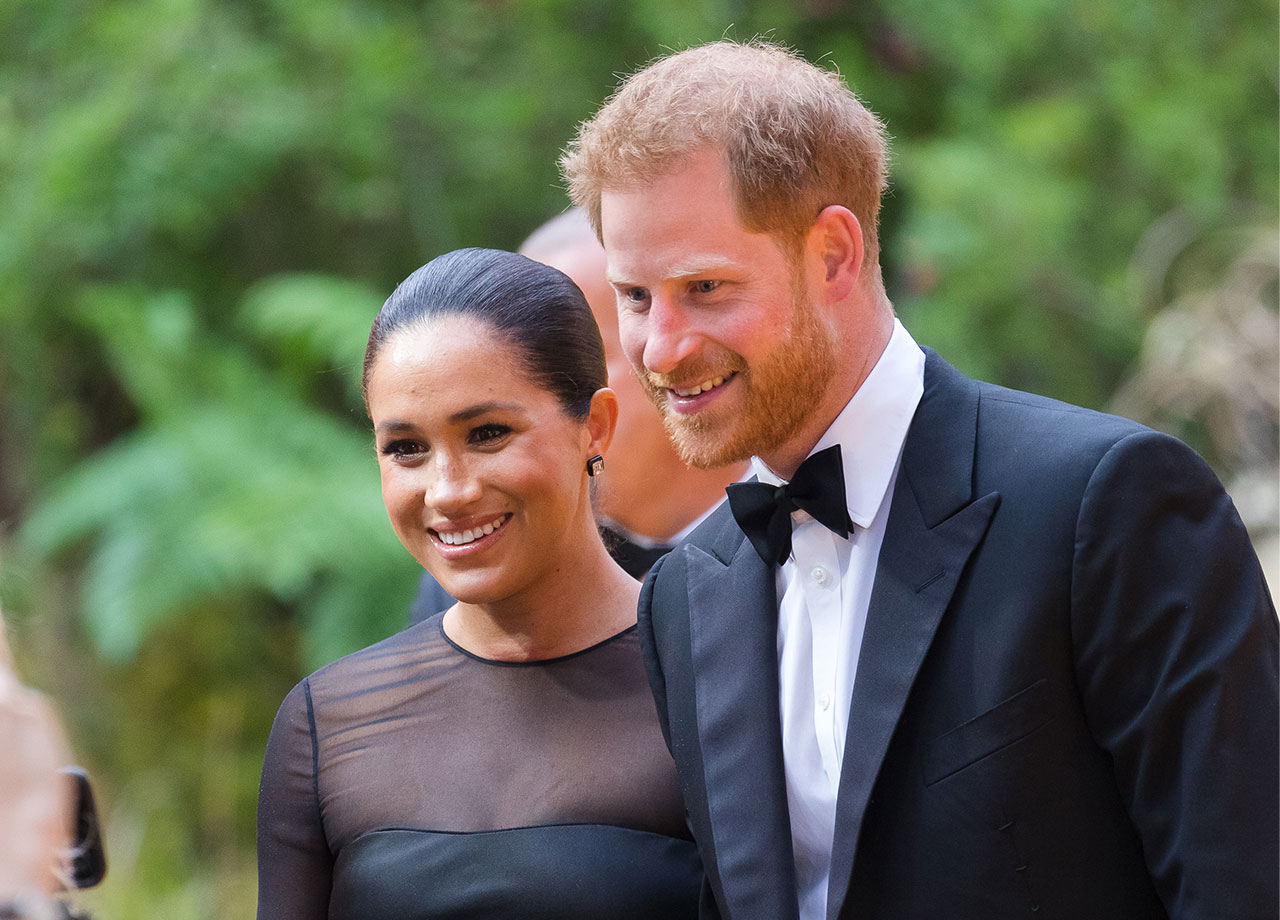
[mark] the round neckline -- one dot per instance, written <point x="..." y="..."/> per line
<point x="532" y="662"/>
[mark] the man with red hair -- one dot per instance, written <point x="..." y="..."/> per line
<point x="960" y="651"/>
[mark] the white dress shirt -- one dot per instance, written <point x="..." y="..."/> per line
<point x="824" y="589"/>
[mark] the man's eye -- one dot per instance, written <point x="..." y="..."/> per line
<point x="637" y="295"/>
<point x="705" y="286"/>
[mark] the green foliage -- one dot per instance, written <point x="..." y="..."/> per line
<point x="233" y="482"/>
<point x="1049" y="159"/>
<point x="206" y="201"/>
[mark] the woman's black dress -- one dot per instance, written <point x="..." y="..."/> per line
<point x="415" y="780"/>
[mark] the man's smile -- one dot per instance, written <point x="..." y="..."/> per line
<point x="698" y="388"/>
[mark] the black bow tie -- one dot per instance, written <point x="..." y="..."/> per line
<point x="764" y="511"/>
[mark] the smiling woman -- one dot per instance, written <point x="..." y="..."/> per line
<point x="484" y="475"/>
<point x="503" y="758"/>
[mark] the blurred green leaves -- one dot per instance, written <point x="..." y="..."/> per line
<point x="1035" y="143"/>
<point x="233" y="482"/>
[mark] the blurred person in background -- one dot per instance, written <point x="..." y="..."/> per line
<point x="35" y="807"/>
<point x="502" y="758"/>
<point x="651" y="499"/>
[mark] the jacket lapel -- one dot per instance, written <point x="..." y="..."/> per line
<point x="933" y="528"/>
<point x="733" y="636"/>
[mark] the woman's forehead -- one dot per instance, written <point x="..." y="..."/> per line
<point x="446" y="362"/>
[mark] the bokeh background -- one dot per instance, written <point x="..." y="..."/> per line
<point x="204" y="202"/>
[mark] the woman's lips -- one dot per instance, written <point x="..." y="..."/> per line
<point x="473" y="536"/>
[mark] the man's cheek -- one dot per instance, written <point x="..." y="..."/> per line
<point x="631" y="332"/>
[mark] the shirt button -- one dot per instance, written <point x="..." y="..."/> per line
<point x="820" y="575"/>
<point x="824" y="702"/>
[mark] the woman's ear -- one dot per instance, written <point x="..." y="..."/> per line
<point x="602" y="419"/>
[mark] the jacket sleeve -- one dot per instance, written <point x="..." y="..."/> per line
<point x="1175" y="637"/>
<point x="295" y="866"/>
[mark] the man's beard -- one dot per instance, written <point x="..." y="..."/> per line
<point x="779" y="394"/>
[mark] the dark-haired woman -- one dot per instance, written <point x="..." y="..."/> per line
<point x="502" y="759"/>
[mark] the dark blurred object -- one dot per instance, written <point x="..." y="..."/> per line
<point x="86" y="858"/>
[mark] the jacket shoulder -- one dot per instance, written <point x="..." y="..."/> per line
<point x="1019" y="418"/>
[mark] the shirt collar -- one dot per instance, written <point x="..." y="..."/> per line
<point x="872" y="427"/>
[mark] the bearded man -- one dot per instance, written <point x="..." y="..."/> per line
<point x="960" y="651"/>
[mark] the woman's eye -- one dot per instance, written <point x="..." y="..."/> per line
<point x="403" y="450"/>
<point x="487" y="434"/>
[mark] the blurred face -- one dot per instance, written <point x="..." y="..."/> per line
<point x="34" y="807"/>
<point x="715" y="319"/>
<point x="483" y="473"/>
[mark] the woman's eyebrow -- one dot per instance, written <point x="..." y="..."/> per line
<point x="462" y="415"/>
<point x="471" y="412"/>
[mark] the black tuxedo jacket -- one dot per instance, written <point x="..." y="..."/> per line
<point x="1066" y="701"/>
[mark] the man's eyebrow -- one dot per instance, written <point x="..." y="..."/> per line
<point x="686" y="268"/>
<point x="701" y="265"/>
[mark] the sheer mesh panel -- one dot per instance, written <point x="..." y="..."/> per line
<point x="415" y="733"/>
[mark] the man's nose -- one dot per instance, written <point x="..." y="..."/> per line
<point x="670" y="336"/>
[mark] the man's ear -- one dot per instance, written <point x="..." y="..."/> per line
<point x="602" y="419"/>
<point x="834" y="247"/>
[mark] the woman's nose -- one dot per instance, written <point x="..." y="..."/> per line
<point x="453" y="485"/>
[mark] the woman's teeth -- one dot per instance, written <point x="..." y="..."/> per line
<point x="700" y="388"/>
<point x="470" y="536"/>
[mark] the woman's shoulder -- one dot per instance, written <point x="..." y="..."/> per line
<point x="401" y="658"/>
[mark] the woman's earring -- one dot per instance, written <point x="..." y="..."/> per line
<point x="595" y="466"/>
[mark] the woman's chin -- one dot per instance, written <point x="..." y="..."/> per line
<point x="474" y="588"/>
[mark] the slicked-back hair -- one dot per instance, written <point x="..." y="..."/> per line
<point x="795" y="139"/>
<point x="536" y="309"/>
